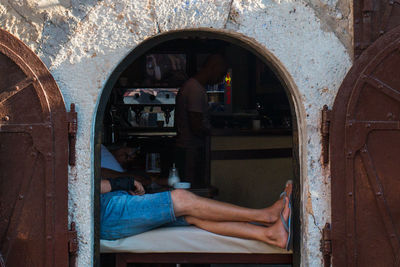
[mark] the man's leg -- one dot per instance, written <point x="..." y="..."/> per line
<point x="188" y="204"/>
<point x="275" y="235"/>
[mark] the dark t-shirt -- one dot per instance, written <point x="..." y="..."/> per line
<point x="191" y="97"/>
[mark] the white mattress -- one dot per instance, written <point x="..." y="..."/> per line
<point x="188" y="239"/>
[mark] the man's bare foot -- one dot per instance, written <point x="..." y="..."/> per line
<point x="276" y="234"/>
<point x="273" y="212"/>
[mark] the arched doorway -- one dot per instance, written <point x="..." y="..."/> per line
<point x="260" y="56"/>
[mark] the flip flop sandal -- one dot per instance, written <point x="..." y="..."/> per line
<point x="287" y="225"/>
<point x="290" y="226"/>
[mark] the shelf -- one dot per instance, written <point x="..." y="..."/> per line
<point x="234" y="115"/>
<point x="149" y="131"/>
<point x="150" y="134"/>
<point x="122" y="105"/>
<point x="250" y="132"/>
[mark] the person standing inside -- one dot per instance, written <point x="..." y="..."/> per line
<point x="192" y="120"/>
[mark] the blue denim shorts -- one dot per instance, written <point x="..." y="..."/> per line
<point x="123" y="215"/>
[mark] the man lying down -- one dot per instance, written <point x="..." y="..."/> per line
<point x="126" y="210"/>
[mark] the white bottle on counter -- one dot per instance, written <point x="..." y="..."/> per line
<point x="173" y="177"/>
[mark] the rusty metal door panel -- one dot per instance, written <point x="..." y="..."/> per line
<point x="18" y="106"/>
<point x="21" y="208"/>
<point x="10" y="74"/>
<point x="365" y="162"/>
<point x="33" y="160"/>
<point x="372" y="19"/>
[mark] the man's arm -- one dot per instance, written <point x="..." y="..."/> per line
<point x="105" y="187"/>
<point x="197" y="125"/>
<point x="107" y="173"/>
<point x="196" y="109"/>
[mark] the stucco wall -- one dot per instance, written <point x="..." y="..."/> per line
<point x="82" y="43"/>
<point x="46" y="25"/>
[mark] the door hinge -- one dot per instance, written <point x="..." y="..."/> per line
<point x="72" y="117"/>
<point x="325" y="123"/>
<point x="326" y="245"/>
<point x="72" y="245"/>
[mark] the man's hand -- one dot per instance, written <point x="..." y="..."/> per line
<point x="139" y="190"/>
<point x="105" y="186"/>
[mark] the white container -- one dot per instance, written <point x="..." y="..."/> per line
<point x="173" y="177"/>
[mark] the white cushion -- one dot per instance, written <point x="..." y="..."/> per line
<point x="188" y="239"/>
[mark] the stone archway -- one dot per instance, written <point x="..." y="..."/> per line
<point x="234" y="38"/>
<point x="312" y="64"/>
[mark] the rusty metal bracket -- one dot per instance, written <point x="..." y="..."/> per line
<point x="72" y="118"/>
<point x="325" y="123"/>
<point x="72" y="245"/>
<point x="326" y="245"/>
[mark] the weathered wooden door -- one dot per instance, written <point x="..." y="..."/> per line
<point x="33" y="160"/>
<point x="372" y="19"/>
<point x="365" y="159"/>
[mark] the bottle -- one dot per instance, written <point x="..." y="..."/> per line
<point x="173" y="177"/>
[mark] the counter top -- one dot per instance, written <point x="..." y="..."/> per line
<point x="249" y="132"/>
<point x="149" y="131"/>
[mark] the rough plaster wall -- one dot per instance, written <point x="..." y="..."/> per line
<point x="46" y="25"/>
<point x="313" y="61"/>
<point x="336" y="16"/>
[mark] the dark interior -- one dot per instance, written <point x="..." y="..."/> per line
<point x="137" y="117"/>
